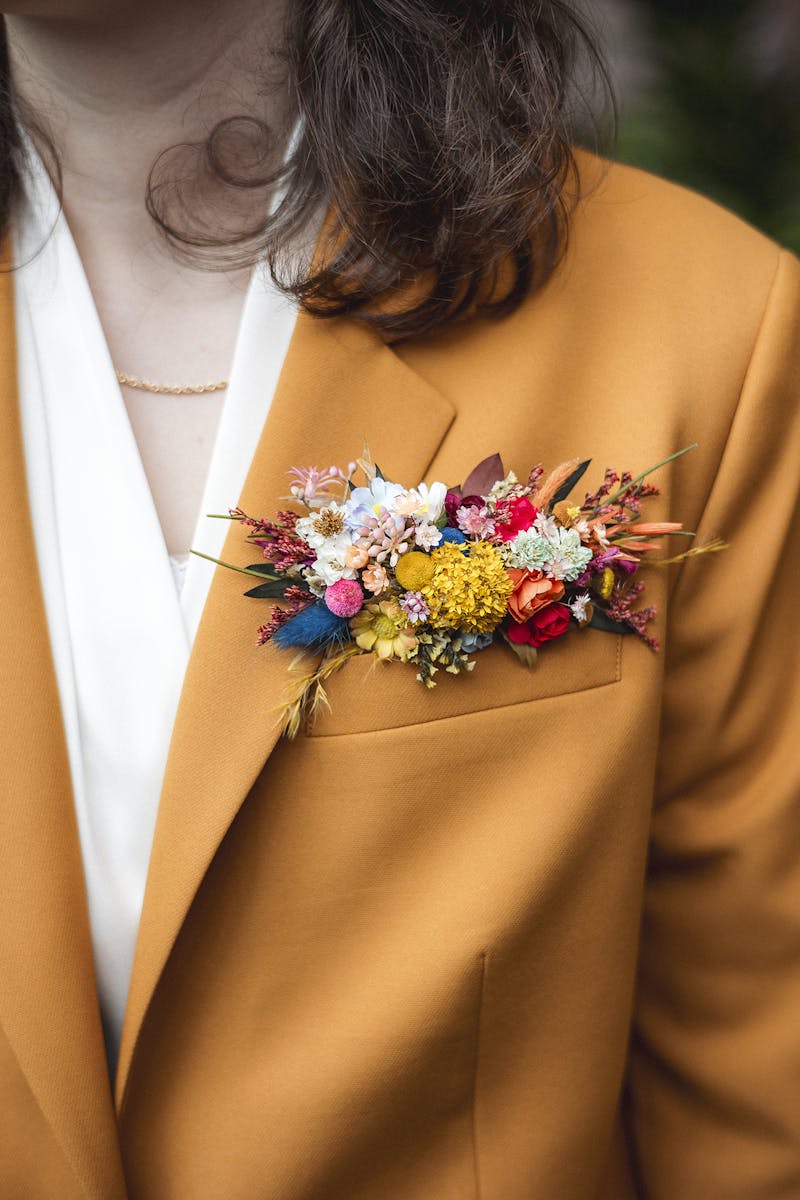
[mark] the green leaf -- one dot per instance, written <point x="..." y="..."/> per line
<point x="601" y="620"/>
<point x="378" y="472"/>
<point x="263" y="568"/>
<point x="573" y="480"/>
<point x="272" y="589"/>
<point x="229" y="566"/>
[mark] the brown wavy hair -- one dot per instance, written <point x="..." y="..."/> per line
<point x="437" y="135"/>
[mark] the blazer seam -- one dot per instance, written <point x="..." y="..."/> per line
<point x="53" y="1131"/>
<point x="478" y="1031"/>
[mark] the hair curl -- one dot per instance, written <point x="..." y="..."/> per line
<point x="437" y="135"/>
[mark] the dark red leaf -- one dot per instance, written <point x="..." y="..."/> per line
<point x="482" y="479"/>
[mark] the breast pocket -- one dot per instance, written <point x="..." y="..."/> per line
<point x="367" y="695"/>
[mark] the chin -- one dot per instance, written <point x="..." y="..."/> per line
<point x="62" y="9"/>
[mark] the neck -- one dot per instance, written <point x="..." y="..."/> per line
<point x="116" y="88"/>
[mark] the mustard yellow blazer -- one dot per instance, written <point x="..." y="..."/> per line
<point x="534" y="935"/>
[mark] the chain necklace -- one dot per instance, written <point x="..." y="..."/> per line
<point x="162" y="389"/>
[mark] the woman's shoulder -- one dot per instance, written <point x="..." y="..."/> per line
<point x="654" y="245"/>
<point x="663" y="310"/>
<point x="653" y="277"/>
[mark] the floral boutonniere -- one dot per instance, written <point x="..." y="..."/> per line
<point x="431" y="575"/>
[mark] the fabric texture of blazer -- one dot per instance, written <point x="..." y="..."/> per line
<point x="534" y="935"/>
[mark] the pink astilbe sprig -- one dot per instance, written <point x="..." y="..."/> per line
<point x="296" y="599"/>
<point x="278" y="541"/>
<point x="632" y="492"/>
<point x="594" y="500"/>
<point x="620" y="608"/>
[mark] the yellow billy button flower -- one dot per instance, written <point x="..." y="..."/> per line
<point x="470" y="588"/>
<point x="383" y="628"/>
<point x="414" y="570"/>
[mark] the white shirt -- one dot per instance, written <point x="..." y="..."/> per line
<point x="120" y="626"/>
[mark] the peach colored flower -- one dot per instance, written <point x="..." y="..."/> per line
<point x="375" y="579"/>
<point x="406" y="505"/>
<point x="355" y="558"/>
<point x="532" y="591"/>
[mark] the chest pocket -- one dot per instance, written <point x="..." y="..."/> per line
<point x="367" y="695"/>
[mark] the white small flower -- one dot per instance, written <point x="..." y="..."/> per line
<point x="329" y="564"/>
<point x="427" y="536"/>
<point x="423" y="503"/>
<point x="365" y="503"/>
<point x="579" y="608"/>
<point x="319" y="528"/>
<point x="588" y="533"/>
<point x="431" y="501"/>
<point x="547" y="528"/>
<point x="500" y="490"/>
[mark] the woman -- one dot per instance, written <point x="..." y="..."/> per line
<point x="532" y="933"/>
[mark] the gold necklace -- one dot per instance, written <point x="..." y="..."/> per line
<point x="163" y="389"/>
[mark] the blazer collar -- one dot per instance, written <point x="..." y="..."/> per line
<point x="48" y="1000"/>
<point x="341" y="387"/>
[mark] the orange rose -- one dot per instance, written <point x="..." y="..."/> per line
<point x="532" y="591"/>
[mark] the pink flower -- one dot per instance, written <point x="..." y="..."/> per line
<point x="344" y="598"/>
<point x="474" y="521"/>
<point x="314" y="487"/>
<point x="415" y="607"/>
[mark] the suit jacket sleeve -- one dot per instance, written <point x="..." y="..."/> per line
<point x="715" y="1059"/>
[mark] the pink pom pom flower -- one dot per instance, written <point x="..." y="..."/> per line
<point x="344" y="598"/>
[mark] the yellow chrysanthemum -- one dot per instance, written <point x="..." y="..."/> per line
<point x="469" y="590"/>
<point x="414" y="570"/>
<point x="383" y="628"/>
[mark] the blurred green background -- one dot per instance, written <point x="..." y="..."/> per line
<point x="709" y="94"/>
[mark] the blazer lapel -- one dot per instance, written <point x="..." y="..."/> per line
<point x="48" y="1001"/>
<point x="340" y="388"/>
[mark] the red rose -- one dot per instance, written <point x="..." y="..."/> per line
<point x="519" y="634"/>
<point x="520" y="514"/>
<point x="544" y="626"/>
<point x="549" y="623"/>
